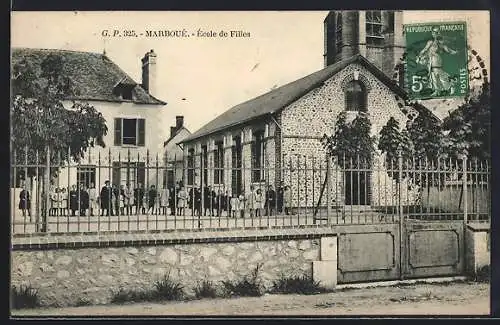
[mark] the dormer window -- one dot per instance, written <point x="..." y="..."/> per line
<point x="355" y="97"/>
<point x="124" y="90"/>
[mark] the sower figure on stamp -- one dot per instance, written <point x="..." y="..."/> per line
<point x="430" y="55"/>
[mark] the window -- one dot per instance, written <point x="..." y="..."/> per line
<point x="133" y="173"/>
<point x="204" y="158"/>
<point x="338" y="33"/>
<point x="258" y="154"/>
<point x="130" y="131"/>
<point x="355" y="97"/>
<point x="190" y="166"/>
<point x="236" y="173"/>
<point x="85" y="176"/>
<point x="374" y="27"/>
<point x="219" y="163"/>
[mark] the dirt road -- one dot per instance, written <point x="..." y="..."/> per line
<point x="417" y="299"/>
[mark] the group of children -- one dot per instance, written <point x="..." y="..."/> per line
<point x="254" y="203"/>
<point x="114" y="200"/>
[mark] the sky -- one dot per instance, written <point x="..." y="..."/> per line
<point x="201" y="77"/>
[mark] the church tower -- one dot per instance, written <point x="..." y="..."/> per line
<point x="375" y="34"/>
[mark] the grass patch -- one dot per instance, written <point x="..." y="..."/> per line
<point x="167" y="289"/>
<point x="249" y="286"/>
<point x="24" y="296"/>
<point x="301" y="284"/>
<point x="83" y="301"/>
<point x="205" y="289"/>
<point x="123" y="295"/>
<point x="163" y="289"/>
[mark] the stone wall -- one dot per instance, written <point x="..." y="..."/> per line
<point x="478" y="247"/>
<point x="64" y="276"/>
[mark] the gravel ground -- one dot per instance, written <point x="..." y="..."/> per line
<point x="416" y="299"/>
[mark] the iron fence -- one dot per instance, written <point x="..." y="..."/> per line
<point x="51" y="194"/>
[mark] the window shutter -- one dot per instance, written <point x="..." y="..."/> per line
<point x="141" y="125"/>
<point x="118" y="131"/>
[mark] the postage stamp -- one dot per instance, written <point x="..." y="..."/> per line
<point x="436" y="60"/>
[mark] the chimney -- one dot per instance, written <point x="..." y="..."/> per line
<point x="173" y="130"/>
<point x="149" y="72"/>
<point x="179" y="122"/>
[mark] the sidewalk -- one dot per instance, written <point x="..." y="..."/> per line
<point x="416" y="299"/>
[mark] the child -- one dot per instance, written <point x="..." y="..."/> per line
<point x="164" y="198"/>
<point x="63" y="201"/>
<point x="182" y="197"/>
<point x="122" y="200"/>
<point x="234" y="204"/>
<point x="241" y="205"/>
<point x="258" y="203"/>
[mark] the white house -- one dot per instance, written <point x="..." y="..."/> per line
<point x="132" y="112"/>
<point x="173" y="155"/>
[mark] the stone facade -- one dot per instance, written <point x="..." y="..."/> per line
<point x="65" y="276"/>
<point x="294" y="154"/>
<point x="306" y="120"/>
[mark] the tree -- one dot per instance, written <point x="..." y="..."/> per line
<point x="468" y="128"/>
<point x="39" y="120"/>
<point x="351" y="143"/>
<point x="395" y="143"/>
<point x="468" y="132"/>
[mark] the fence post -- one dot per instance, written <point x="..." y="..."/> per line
<point x="46" y="190"/>
<point x="464" y="184"/>
<point x="400" y="215"/>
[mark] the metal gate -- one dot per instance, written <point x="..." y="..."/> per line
<point x="432" y="248"/>
<point x="393" y="251"/>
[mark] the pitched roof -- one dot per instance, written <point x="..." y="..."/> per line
<point x="281" y="97"/>
<point x="94" y="74"/>
<point x="175" y="135"/>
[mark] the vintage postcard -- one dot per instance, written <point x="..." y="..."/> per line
<point x="284" y="163"/>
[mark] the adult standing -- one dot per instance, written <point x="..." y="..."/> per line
<point x="73" y="200"/>
<point x="197" y="201"/>
<point x="84" y="200"/>
<point x="25" y="201"/>
<point x="152" y="196"/>
<point x="270" y="200"/>
<point x="138" y="198"/>
<point x="279" y="199"/>
<point x="106" y="198"/>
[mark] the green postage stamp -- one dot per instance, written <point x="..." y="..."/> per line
<point x="436" y="60"/>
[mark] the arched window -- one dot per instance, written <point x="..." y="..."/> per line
<point x="355" y="97"/>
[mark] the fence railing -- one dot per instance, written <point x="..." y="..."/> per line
<point x="54" y="195"/>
